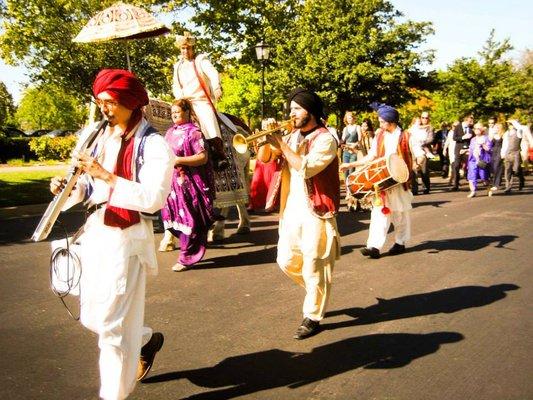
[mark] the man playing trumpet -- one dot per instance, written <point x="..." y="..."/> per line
<point x="128" y="173"/>
<point x="310" y="196"/>
<point x="394" y="204"/>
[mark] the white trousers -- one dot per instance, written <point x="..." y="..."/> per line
<point x="307" y="256"/>
<point x="380" y="223"/>
<point x="207" y="118"/>
<point x="114" y="309"/>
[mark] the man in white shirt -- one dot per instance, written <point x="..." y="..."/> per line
<point x="127" y="174"/>
<point x="394" y="204"/>
<point x="197" y="80"/>
<point x="309" y="200"/>
<point x="421" y="137"/>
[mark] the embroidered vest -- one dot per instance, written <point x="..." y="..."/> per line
<point x="323" y="189"/>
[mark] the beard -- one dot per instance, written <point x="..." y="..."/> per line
<point x="300" y="122"/>
<point x="110" y="119"/>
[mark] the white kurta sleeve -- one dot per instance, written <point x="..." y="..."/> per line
<point x="372" y="152"/>
<point x="212" y="74"/>
<point x="321" y="153"/>
<point x="148" y="195"/>
<point x="176" y="89"/>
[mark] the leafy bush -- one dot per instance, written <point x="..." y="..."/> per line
<point x="49" y="148"/>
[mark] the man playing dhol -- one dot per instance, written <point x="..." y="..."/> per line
<point x="395" y="205"/>
<point x="310" y="196"/>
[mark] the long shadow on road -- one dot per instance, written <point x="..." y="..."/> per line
<point x="441" y="301"/>
<point x="472" y="243"/>
<point x="17" y="230"/>
<point x="255" y="372"/>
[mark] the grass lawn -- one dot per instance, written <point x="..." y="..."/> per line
<point x="28" y="186"/>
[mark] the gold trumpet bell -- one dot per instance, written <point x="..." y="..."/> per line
<point x="240" y="142"/>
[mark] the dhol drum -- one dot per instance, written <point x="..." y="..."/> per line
<point x="382" y="173"/>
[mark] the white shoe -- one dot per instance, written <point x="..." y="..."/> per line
<point x="471" y="194"/>
<point x="179" y="267"/>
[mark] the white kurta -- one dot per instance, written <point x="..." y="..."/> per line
<point x="308" y="245"/>
<point x="115" y="261"/>
<point x="186" y="85"/>
<point x="396" y="199"/>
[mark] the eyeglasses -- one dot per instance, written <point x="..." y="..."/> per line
<point x="424" y="117"/>
<point x="106" y="103"/>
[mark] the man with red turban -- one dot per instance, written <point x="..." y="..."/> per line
<point x="127" y="173"/>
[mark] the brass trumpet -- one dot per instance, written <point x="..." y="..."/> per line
<point x="241" y="142"/>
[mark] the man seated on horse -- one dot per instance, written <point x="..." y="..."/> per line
<point x="197" y="80"/>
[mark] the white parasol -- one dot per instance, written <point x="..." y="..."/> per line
<point x="121" y="22"/>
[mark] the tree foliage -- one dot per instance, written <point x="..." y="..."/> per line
<point x="6" y="104"/>
<point x="241" y="86"/>
<point x="486" y="86"/>
<point x="38" y="34"/>
<point x="353" y="52"/>
<point x="48" y="107"/>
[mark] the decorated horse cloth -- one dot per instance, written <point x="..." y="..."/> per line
<point x="231" y="183"/>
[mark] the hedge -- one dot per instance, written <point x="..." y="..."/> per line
<point x="37" y="148"/>
<point x="53" y="148"/>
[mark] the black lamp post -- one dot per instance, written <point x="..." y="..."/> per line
<point x="262" y="51"/>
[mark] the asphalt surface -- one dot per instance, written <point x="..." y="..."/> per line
<point x="449" y="319"/>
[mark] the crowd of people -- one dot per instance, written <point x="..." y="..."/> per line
<point x="133" y="171"/>
<point x="491" y="155"/>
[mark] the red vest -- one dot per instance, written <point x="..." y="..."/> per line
<point x="324" y="187"/>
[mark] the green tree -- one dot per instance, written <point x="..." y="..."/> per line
<point x="486" y="86"/>
<point x="241" y="86"/>
<point x="6" y="104"/>
<point x="47" y="107"/>
<point x="38" y="34"/>
<point x="353" y="52"/>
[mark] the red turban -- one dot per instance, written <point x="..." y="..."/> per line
<point x="123" y="86"/>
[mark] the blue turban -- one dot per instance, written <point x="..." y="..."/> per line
<point x="385" y="112"/>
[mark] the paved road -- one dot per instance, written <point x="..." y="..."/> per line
<point x="450" y="319"/>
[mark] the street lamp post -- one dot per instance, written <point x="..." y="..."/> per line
<point x="262" y="51"/>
